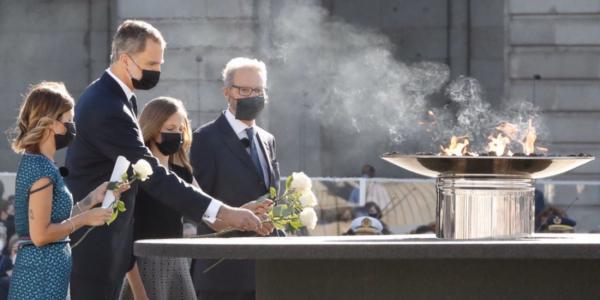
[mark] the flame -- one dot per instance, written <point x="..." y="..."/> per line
<point x="498" y="144"/>
<point x="529" y="141"/>
<point x="458" y="146"/>
<point x="510" y="130"/>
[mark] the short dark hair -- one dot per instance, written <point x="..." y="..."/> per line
<point x="131" y="38"/>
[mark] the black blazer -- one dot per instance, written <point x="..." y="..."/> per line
<point x="225" y="171"/>
<point x="107" y="128"/>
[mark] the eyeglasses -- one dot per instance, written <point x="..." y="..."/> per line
<point x="247" y="91"/>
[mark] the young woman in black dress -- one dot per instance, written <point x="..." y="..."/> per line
<point x="167" y="133"/>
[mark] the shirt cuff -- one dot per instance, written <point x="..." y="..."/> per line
<point x="210" y="215"/>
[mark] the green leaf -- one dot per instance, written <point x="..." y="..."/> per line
<point x="113" y="217"/>
<point x="278" y="211"/>
<point x="296" y="223"/>
<point x="289" y="228"/>
<point x="124" y="177"/>
<point x="121" y="206"/>
<point x="287" y="211"/>
<point x="273" y="192"/>
<point x="288" y="182"/>
<point x="112" y="185"/>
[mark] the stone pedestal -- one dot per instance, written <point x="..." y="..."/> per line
<point x="405" y="267"/>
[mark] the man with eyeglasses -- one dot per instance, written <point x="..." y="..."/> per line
<point x="233" y="159"/>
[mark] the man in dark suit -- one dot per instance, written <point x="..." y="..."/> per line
<point x="234" y="159"/>
<point x="106" y="128"/>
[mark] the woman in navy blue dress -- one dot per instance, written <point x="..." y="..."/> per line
<point x="44" y="211"/>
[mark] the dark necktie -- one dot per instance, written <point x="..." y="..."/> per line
<point x="133" y="102"/>
<point x="254" y="152"/>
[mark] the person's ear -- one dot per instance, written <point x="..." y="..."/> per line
<point x="226" y="92"/>
<point x="58" y="128"/>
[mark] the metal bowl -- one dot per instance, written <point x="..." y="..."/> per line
<point x="530" y="167"/>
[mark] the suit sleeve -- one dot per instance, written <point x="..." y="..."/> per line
<point x="202" y="159"/>
<point x="275" y="164"/>
<point x="119" y="134"/>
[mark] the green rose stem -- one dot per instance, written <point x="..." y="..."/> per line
<point x="118" y="206"/>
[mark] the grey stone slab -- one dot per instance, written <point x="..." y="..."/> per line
<point x="44" y="16"/>
<point x="407" y="13"/>
<point x="230" y="8"/>
<point x="370" y="12"/>
<point x="555" y="62"/>
<point x="487" y="42"/>
<point x="559" y="95"/>
<point x="487" y="13"/>
<point x="426" y="279"/>
<point x="208" y="32"/>
<point x="490" y="72"/>
<point x="161" y="9"/>
<point x="205" y="63"/>
<point x="554" y="6"/>
<point x="561" y="30"/>
<point x="99" y="13"/>
<point x="99" y="49"/>
<point x="573" y="127"/>
<point x="195" y="95"/>
<point x="409" y="43"/>
<point x="538" y="247"/>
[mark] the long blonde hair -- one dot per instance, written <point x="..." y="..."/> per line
<point x="44" y="103"/>
<point x="152" y="118"/>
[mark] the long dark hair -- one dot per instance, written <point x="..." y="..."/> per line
<point x="155" y="114"/>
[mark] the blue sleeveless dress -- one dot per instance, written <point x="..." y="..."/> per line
<point x="40" y="272"/>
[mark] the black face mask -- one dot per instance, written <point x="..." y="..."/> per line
<point x="63" y="140"/>
<point x="149" y="79"/>
<point x="171" y="142"/>
<point x="247" y="109"/>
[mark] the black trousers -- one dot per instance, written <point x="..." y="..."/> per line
<point x="219" y="295"/>
<point x="88" y="289"/>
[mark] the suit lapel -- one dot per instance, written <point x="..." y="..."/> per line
<point x="115" y="88"/>
<point x="266" y="150"/>
<point x="233" y="143"/>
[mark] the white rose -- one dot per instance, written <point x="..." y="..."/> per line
<point x="301" y="182"/>
<point x="308" y="199"/>
<point x="308" y="218"/>
<point x="142" y="170"/>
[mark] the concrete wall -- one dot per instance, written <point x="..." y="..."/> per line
<point x="466" y="35"/>
<point x="560" y="41"/>
<point x="69" y="41"/>
<point x="63" y="40"/>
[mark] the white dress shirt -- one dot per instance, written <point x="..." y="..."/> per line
<point x="210" y="215"/>
<point x="239" y="128"/>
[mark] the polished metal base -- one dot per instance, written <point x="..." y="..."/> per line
<point x="480" y="207"/>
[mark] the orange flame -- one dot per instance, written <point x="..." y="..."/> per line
<point x="529" y="140"/>
<point x="510" y="130"/>
<point x="499" y="145"/>
<point x="458" y="146"/>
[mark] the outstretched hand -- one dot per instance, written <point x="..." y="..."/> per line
<point x="259" y="207"/>
<point x="239" y="218"/>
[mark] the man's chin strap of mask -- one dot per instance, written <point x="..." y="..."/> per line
<point x="248" y="109"/>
